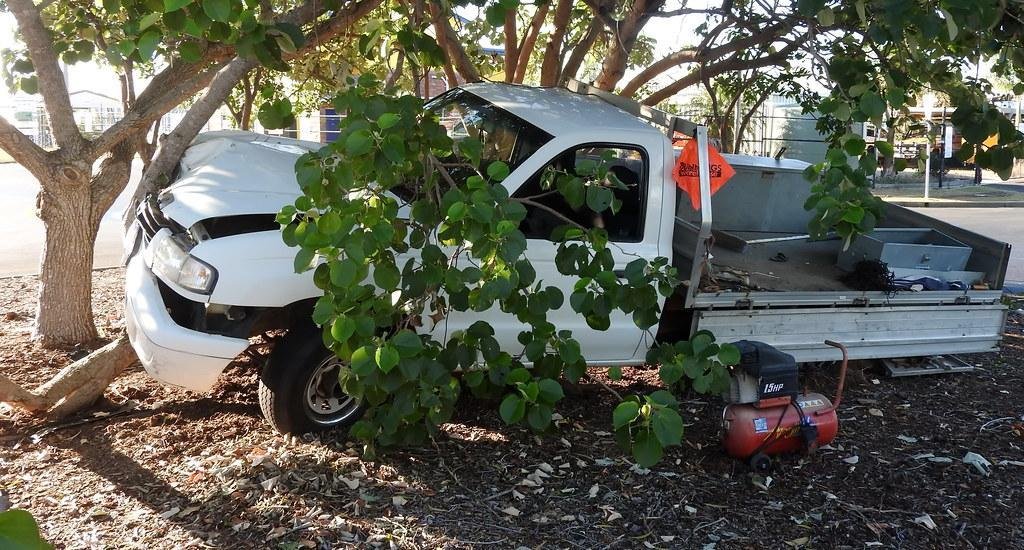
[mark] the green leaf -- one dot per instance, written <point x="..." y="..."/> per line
<point x="664" y="398"/>
<point x="342" y="328"/>
<point x="190" y="52"/>
<point x="885" y="148"/>
<point x="539" y="417"/>
<point x="872" y="105"/>
<point x="359" y="142"/>
<point x="495" y="15"/>
<point x="950" y="24"/>
<point x="667" y="426"/>
<point x="363" y="361"/>
<point x="550" y="390"/>
<point x="275" y="114"/>
<point x="625" y="413"/>
<point x="670" y="373"/>
<point x="147" y="44"/>
<point x="497" y="171"/>
<point x="512" y="409"/>
<point x="569" y="351"/>
<point x="386" y="276"/>
<point x="407" y="343"/>
<point x="293" y="31"/>
<point x="647" y="450"/>
<point x="174" y="5"/>
<point x="29" y="84"/>
<point x="393" y="148"/>
<point x="827" y="17"/>
<point x="218" y="10"/>
<point x="343" y="273"/>
<point x="19" y="531"/>
<point x="518" y="376"/>
<point x="387" y="120"/>
<point x="854" y="215"/>
<point x="854" y="146"/>
<point x="599" y="198"/>
<point x="471" y="149"/>
<point x="303" y="259"/>
<point x="457" y="211"/>
<point x="729" y="354"/>
<point x="692" y="367"/>
<point x="148" y="20"/>
<point x="615" y="373"/>
<point x="387" y="357"/>
<point x="126" y="47"/>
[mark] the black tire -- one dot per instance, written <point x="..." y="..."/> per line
<point x="291" y="399"/>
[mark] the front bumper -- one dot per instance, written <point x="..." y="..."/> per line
<point x="169" y="352"/>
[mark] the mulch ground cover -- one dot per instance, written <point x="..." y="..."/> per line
<point x="154" y="467"/>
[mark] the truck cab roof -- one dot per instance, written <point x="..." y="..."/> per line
<point x="558" y="111"/>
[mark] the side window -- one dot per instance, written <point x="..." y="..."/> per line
<point x="628" y="164"/>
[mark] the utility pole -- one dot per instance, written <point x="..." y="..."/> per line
<point x="929" y="101"/>
<point x="942" y="157"/>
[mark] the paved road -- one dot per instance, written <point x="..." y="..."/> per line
<point x="21" y="232"/>
<point x="1005" y="224"/>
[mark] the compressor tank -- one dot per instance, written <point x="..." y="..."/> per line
<point x="747" y="427"/>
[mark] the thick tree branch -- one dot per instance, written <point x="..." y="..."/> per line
<point x="449" y="41"/>
<point x="151" y="106"/>
<point x="22" y="149"/>
<point x="51" y="79"/>
<point x="654" y="69"/>
<point x="703" y="54"/>
<point x="580" y="51"/>
<point x="734" y="63"/>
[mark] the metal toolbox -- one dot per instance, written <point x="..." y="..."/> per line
<point x="913" y="248"/>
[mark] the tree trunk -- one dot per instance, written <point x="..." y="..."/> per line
<point x="529" y="42"/>
<point x="64" y="314"/>
<point x="511" y="46"/>
<point x="551" y="65"/>
<point x="624" y="36"/>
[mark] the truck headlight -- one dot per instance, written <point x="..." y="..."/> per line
<point x="169" y="259"/>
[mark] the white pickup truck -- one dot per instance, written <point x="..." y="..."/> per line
<point x="208" y="269"/>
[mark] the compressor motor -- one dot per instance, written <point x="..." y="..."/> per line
<point x="767" y="414"/>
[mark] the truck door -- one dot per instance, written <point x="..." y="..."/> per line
<point x="631" y="165"/>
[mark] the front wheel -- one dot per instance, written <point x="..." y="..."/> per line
<point x="299" y="391"/>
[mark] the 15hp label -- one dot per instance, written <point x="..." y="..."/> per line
<point x="772" y="387"/>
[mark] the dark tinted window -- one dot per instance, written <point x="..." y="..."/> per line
<point x="505" y="137"/>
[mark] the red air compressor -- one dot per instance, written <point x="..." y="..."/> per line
<point x="768" y="415"/>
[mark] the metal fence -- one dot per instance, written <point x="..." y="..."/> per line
<point x="94" y="121"/>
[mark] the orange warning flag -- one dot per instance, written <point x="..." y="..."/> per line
<point x="687" y="174"/>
